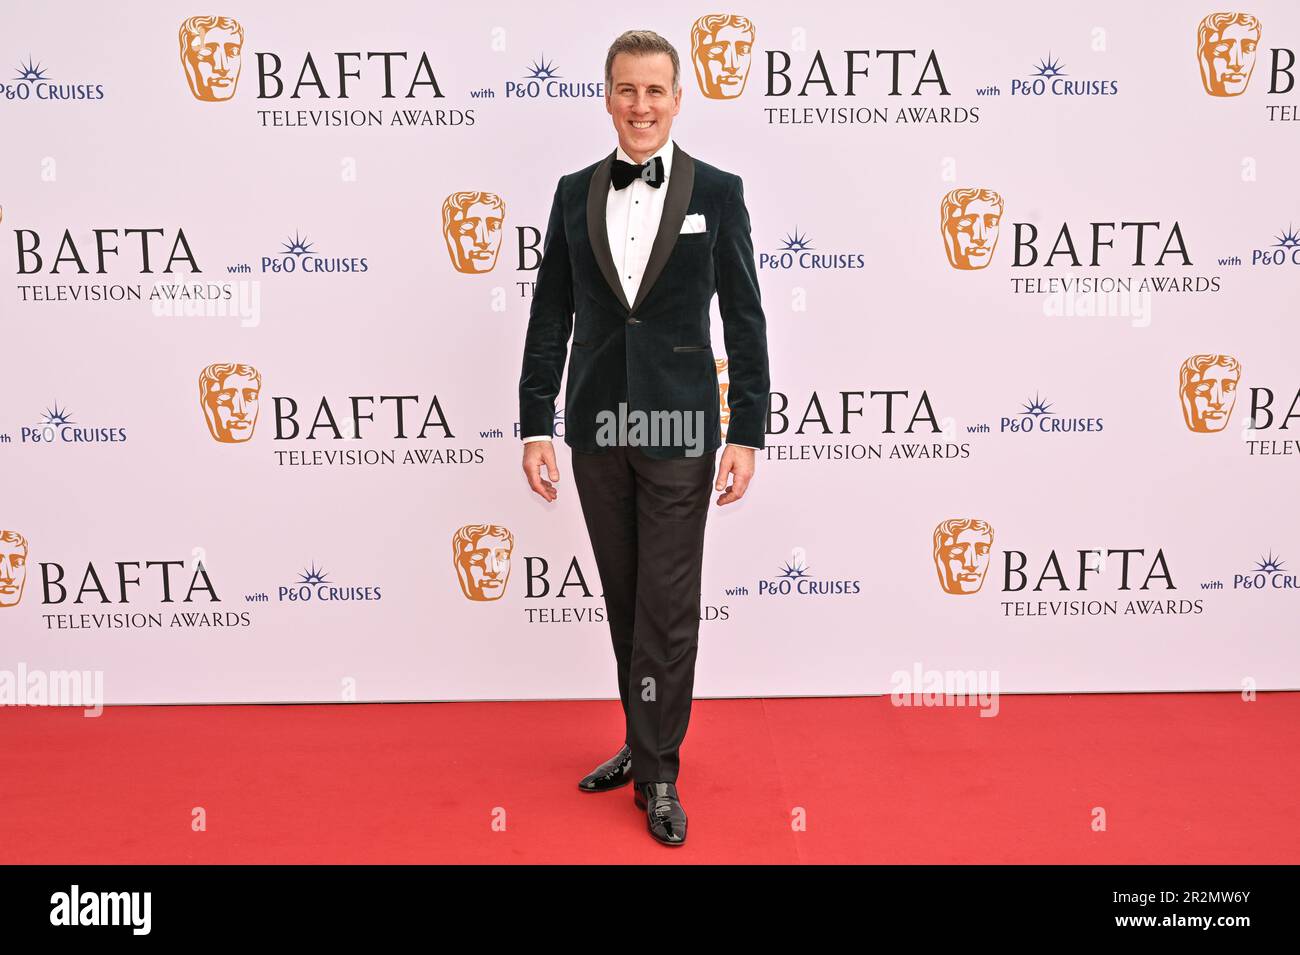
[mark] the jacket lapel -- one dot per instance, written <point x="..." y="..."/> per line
<point x="597" y="231"/>
<point x="681" y="183"/>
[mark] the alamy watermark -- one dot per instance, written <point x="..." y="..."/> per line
<point x="676" y="429"/>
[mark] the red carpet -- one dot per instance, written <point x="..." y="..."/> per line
<point x="1183" y="778"/>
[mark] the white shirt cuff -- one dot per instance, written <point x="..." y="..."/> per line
<point x="538" y="437"/>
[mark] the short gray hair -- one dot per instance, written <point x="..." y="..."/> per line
<point x="640" y="43"/>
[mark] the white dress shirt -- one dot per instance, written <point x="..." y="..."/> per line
<point x="632" y="217"/>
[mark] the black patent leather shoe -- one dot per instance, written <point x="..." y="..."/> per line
<point x="611" y="774"/>
<point x="665" y="817"/>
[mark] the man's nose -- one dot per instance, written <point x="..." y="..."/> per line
<point x="1234" y="58"/>
<point x="729" y="59"/>
<point x="219" y="61"/>
<point x="979" y="233"/>
<point x="239" y="408"/>
<point x="6" y="570"/>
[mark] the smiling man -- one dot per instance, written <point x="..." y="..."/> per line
<point x="636" y="247"/>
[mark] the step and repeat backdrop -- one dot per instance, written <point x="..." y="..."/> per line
<point x="1030" y="278"/>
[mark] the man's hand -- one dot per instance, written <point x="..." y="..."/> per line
<point x="739" y="463"/>
<point x="536" y="454"/>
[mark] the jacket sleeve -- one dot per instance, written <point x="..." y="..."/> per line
<point x="550" y="322"/>
<point x="744" y="329"/>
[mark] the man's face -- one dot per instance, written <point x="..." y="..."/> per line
<point x="231" y="408"/>
<point x="13" y="572"/>
<point x="722" y="62"/>
<point x="485" y="568"/>
<point x="971" y="235"/>
<point x="212" y="62"/>
<point x="642" y="103"/>
<point x="1228" y="58"/>
<point x="1208" y="399"/>
<point x="963" y="560"/>
<point x="475" y="237"/>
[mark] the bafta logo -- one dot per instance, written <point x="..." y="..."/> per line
<point x="722" y="45"/>
<point x="229" y="394"/>
<point x="481" y="553"/>
<point x="724" y="382"/>
<point x="1207" y="388"/>
<point x="969" y="220"/>
<point x="1225" y="49"/>
<point x="961" y="554"/>
<point x="13" y="567"/>
<point x="471" y="224"/>
<point x="211" y="53"/>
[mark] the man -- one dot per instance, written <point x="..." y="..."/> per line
<point x="635" y="248"/>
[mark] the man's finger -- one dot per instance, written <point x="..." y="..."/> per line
<point x="723" y="470"/>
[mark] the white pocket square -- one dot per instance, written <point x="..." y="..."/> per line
<point x="694" y="223"/>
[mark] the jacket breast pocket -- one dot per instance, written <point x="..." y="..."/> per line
<point x="695" y="238"/>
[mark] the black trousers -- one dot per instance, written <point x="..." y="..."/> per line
<point x="645" y="518"/>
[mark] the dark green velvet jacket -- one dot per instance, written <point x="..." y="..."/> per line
<point x="653" y="354"/>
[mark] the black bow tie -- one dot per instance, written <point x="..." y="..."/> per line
<point x="651" y="171"/>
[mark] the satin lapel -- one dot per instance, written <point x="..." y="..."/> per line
<point x="680" y="185"/>
<point x="597" y="231"/>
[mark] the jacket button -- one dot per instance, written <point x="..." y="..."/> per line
<point x="634" y="321"/>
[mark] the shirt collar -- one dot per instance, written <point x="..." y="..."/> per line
<point x="666" y="151"/>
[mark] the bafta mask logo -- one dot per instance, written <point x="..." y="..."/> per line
<point x="1225" y="49"/>
<point x="962" y="547"/>
<point x="724" y="382"/>
<point x="481" y="553"/>
<point x="1207" y="388"/>
<point x="212" y="54"/>
<point x="471" y="224"/>
<point x="722" y="45"/>
<point x="229" y="395"/>
<point x="970" y="220"/>
<point x="13" y="567"/>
